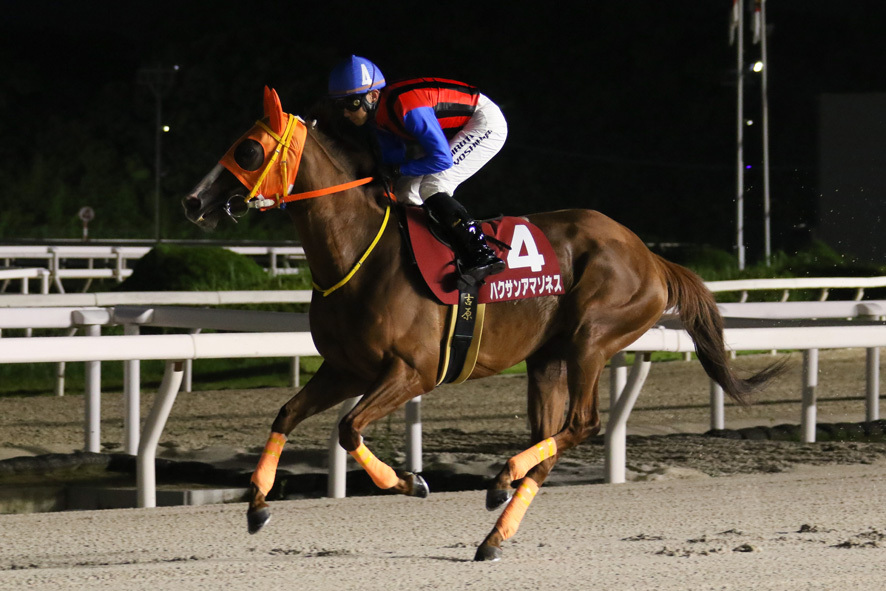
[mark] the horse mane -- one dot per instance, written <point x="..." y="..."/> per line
<point x="345" y="143"/>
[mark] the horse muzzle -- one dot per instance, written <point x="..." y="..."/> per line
<point x="203" y="205"/>
<point x="207" y="217"/>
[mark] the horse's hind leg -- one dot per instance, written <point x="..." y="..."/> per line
<point x="533" y="466"/>
<point x="326" y="389"/>
<point x="547" y="396"/>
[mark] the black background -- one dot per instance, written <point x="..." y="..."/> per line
<point x="625" y="107"/>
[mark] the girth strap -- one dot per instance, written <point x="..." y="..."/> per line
<point x="462" y="340"/>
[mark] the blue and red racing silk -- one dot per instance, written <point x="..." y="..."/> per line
<point x="424" y="110"/>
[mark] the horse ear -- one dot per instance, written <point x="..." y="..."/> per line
<point x="274" y="110"/>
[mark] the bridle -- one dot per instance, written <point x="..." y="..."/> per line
<point x="270" y="190"/>
<point x="285" y="157"/>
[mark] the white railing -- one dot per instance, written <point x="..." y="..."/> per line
<point x="804" y="310"/>
<point x="114" y="261"/>
<point x="90" y="311"/>
<point x="797" y="313"/>
<point x="625" y="389"/>
<point x="176" y="348"/>
<point x="24" y="276"/>
<point x="157" y="298"/>
<point x="115" y="265"/>
<point x="807" y="339"/>
<point x="91" y="319"/>
<point x="859" y="284"/>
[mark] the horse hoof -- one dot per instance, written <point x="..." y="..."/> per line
<point x="257" y="519"/>
<point x="417" y="485"/>
<point x="495" y="498"/>
<point x="487" y="553"/>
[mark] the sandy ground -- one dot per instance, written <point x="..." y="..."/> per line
<point x="807" y="529"/>
<point x="701" y="513"/>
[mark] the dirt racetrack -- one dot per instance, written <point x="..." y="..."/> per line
<point x="701" y="512"/>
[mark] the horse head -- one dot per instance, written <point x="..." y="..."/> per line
<point x="257" y="171"/>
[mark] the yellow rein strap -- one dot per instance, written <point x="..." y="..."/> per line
<point x="346" y="278"/>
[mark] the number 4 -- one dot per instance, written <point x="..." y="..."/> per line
<point x="523" y="241"/>
<point x="364" y="72"/>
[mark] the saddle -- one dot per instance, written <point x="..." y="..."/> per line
<point x="532" y="270"/>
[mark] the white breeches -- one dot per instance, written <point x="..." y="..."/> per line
<point x="471" y="148"/>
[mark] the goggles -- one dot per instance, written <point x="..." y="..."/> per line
<point x="351" y="103"/>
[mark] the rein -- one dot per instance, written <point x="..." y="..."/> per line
<point x="359" y="263"/>
<point x="327" y="190"/>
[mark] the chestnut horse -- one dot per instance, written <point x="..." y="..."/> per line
<point x="380" y="331"/>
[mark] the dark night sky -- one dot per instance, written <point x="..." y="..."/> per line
<point x="625" y="107"/>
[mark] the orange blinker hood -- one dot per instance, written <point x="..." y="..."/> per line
<point x="282" y="136"/>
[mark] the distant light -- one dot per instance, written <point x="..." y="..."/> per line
<point x="758" y="66"/>
<point x="165" y="128"/>
<point x="749" y="122"/>
<point x="748" y="166"/>
<point x="176" y="68"/>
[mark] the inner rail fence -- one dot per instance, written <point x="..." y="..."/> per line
<point x="786" y="285"/>
<point x="115" y="262"/>
<point x="181" y="348"/>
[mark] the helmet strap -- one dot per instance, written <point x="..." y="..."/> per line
<point x="369" y="106"/>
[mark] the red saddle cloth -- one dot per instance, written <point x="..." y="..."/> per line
<point x="532" y="267"/>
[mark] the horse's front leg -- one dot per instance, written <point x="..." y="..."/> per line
<point x="327" y="388"/>
<point x="396" y="385"/>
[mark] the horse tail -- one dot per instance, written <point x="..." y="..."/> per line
<point x="702" y="320"/>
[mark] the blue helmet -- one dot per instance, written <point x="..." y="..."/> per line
<point x="355" y="75"/>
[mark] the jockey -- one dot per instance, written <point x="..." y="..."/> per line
<point x="433" y="134"/>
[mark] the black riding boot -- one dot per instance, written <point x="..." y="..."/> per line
<point x="464" y="235"/>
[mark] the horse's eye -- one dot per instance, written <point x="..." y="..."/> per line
<point x="249" y="155"/>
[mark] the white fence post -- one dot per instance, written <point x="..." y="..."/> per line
<point x="872" y="386"/>
<point x="810" y="381"/>
<point x="272" y="255"/>
<point x="60" y="378"/>
<point x="92" y="321"/>
<point x="131" y="319"/>
<point x="120" y="264"/>
<point x="295" y="372"/>
<point x="54" y="267"/>
<point x="616" y="427"/>
<point x="44" y="281"/>
<point x="618" y="373"/>
<point x="718" y="414"/>
<point x="413" y="435"/>
<point x="25" y="291"/>
<point x="93" y="375"/>
<point x="188" y="381"/>
<point x="131" y="398"/>
<point x="146" y="480"/>
<point x="336" y="486"/>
